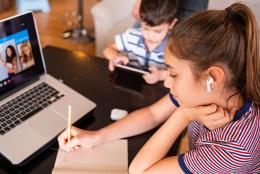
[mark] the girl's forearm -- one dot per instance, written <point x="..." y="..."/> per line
<point x="135" y="123"/>
<point x="139" y="121"/>
<point x="159" y="144"/>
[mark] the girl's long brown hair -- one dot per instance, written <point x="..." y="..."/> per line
<point x="228" y="37"/>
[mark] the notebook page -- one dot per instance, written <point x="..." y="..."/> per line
<point x="109" y="158"/>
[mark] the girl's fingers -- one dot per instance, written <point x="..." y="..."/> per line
<point x="208" y="110"/>
<point x="220" y="123"/>
<point x="217" y="116"/>
<point x="74" y="131"/>
<point x="72" y="143"/>
<point x="62" y="139"/>
<point x="232" y="113"/>
<point x="76" y="147"/>
<point x="221" y="118"/>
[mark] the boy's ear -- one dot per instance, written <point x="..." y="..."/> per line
<point x="173" y="23"/>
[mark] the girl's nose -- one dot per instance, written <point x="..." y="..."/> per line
<point x="167" y="82"/>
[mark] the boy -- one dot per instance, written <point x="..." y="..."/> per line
<point x="145" y="46"/>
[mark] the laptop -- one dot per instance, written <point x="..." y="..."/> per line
<point x="33" y="104"/>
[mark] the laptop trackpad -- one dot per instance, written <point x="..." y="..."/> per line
<point x="47" y="123"/>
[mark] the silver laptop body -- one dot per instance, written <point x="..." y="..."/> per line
<point x="19" y="143"/>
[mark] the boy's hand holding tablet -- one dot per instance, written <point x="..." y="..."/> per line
<point x="151" y="76"/>
<point x="120" y="59"/>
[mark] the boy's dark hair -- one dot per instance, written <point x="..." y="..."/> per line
<point x="157" y="12"/>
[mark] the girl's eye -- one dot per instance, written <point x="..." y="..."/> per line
<point x="173" y="75"/>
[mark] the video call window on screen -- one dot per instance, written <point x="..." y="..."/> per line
<point x="15" y="54"/>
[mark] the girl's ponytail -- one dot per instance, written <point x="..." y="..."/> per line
<point x="251" y="88"/>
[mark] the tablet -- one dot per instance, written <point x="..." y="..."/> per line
<point x="132" y="68"/>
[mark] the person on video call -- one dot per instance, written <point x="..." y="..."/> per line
<point x="11" y="59"/>
<point x="26" y="55"/>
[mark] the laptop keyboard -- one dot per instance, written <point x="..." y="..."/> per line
<point x="26" y="105"/>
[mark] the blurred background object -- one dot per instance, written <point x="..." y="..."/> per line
<point x="32" y="5"/>
<point x="52" y="24"/>
<point x="111" y="17"/>
<point x="188" y="7"/>
<point x="4" y="5"/>
<point x="79" y="32"/>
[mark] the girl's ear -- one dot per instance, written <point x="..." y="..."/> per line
<point x="173" y="23"/>
<point x="218" y="74"/>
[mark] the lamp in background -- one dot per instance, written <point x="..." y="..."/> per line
<point x="79" y="33"/>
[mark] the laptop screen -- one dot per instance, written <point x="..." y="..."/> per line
<point x="20" y="55"/>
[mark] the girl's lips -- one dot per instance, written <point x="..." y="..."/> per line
<point x="173" y="95"/>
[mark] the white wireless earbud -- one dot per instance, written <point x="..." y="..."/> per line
<point x="210" y="80"/>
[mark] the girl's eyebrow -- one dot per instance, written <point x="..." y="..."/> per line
<point x="168" y="66"/>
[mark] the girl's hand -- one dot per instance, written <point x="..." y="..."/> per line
<point x="217" y="119"/>
<point x="120" y="59"/>
<point x="153" y="77"/>
<point x="79" y="138"/>
<point x="210" y="116"/>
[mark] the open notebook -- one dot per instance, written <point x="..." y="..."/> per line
<point x="109" y="158"/>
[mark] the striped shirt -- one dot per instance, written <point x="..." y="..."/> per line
<point x="132" y="42"/>
<point x="233" y="148"/>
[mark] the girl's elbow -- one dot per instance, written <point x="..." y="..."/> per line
<point x="134" y="170"/>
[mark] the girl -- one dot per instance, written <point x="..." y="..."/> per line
<point x="218" y="49"/>
<point x="11" y="60"/>
<point x="26" y="55"/>
<point x="214" y="70"/>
